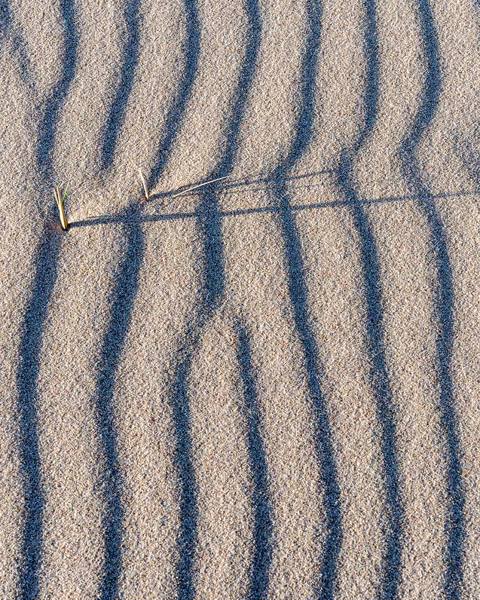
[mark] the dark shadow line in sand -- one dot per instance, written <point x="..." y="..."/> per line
<point x="46" y="265"/>
<point x="298" y="292"/>
<point x="49" y="123"/>
<point x="5" y="17"/>
<point x="470" y="159"/>
<point x="212" y="289"/>
<point x="176" y="114"/>
<point x="249" y="181"/>
<point x="444" y="302"/>
<point x="121" y="302"/>
<point x="123" y="298"/>
<point x="9" y="29"/>
<point x="257" y="458"/>
<point x="20" y="50"/>
<point x="375" y="337"/>
<point x="9" y="26"/>
<point x="208" y="217"/>
<point x="131" y="55"/>
<point x="27" y="379"/>
<point x="120" y="219"/>
<point x="233" y="186"/>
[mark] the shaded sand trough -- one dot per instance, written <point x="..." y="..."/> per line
<point x="267" y="388"/>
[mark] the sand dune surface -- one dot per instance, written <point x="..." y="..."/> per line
<point x="266" y="387"/>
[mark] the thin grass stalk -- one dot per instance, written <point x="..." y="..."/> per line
<point x="60" y="201"/>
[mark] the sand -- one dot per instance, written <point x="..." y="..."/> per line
<point x="267" y="387"/>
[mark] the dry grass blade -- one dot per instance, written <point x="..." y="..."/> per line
<point x="199" y="185"/>
<point x="60" y="200"/>
<point x="144" y="183"/>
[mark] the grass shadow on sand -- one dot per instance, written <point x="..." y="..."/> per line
<point x="122" y="218"/>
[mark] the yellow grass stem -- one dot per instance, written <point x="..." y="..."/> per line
<point x="144" y="183"/>
<point x="199" y="185"/>
<point x="60" y="200"/>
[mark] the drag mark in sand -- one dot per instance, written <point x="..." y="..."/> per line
<point x="372" y="289"/>
<point x="209" y="218"/>
<point x="325" y="588"/>
<point x="444" y="302"/>
<point x="46" y="265"/>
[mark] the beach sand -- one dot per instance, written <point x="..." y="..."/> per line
<point x="267" y="387"/>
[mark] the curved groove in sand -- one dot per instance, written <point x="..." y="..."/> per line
<point x="6" y="15"/>
<point x="372" y="290"/>
<point x="299" y="299"/>
<point x="116" y="114"/>
<point x="444" y="301"/>
<point x="46" y="263"/>
<point x="212" y="291"/>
